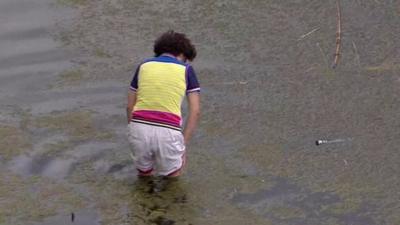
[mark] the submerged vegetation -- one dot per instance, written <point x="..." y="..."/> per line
<point x="266" y="101"/>
<point x="79" y="125"/>
<point x="73" y="2"/>
<point x="30" y="198"/>
<point x="13" y="142"/>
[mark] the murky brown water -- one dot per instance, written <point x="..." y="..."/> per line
<point x="268" y="95"/>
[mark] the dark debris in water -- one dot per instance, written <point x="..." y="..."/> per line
<point x="181" y="199"/>
<point x="162" y="221"/>
<point x="116" y="168"/>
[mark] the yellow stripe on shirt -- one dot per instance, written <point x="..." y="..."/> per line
<point x="162" y="87"/>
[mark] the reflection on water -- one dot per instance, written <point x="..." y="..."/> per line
<point x="287" y="203"/>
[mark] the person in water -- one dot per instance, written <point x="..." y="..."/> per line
<point x="159" y="85"/>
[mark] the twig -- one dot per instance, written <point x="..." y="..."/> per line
<point x="357" y="58"/>
<point x="309" y="69"/>
<point x="338" y="35"/>
<point x="323" y="54"/>
<point x="231" y="83"/>
<point x="307" y="34"/>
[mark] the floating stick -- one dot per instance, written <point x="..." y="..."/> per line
<point x="307" y="34"/>
<point x="338" y="35"/>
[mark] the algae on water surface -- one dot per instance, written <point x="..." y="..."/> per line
<point x="267" y="97"/>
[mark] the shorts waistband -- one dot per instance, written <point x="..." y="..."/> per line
<point x="157" y="124"/>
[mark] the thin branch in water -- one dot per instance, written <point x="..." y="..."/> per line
<point x="307" y="34"/>
<point x="231" y="83"/>
<point x="323" y="54"/>
<point x="338" y="35"/>
<point x="357" y="58"/>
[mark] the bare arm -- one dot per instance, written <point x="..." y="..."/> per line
<point x="130" y="105"/>
<point x="194" y="114"/>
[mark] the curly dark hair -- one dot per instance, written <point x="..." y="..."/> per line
<point x="174" y="43"/>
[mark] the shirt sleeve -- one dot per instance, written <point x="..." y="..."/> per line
<point x="192" y="83"/>
<point x="134" y="82"/>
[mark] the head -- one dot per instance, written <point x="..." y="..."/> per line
<point x="176" y="44"/>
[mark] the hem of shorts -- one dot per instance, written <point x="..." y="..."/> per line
<point x="181" y="167"/>
<point x="157" y="124"/>
<point x="170" y="174"/>
<point x="145" y="171"/>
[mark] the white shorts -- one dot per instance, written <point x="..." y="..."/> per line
<point x="157" y="149"/>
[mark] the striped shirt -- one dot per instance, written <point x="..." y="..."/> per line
<point x="161" y="84"/>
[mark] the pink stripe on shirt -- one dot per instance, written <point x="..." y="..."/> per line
<point x="158" y="117"/>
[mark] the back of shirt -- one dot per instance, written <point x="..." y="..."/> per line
<point x="161" y="84"/>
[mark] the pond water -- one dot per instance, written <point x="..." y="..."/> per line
<point x="268" y="93"/>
